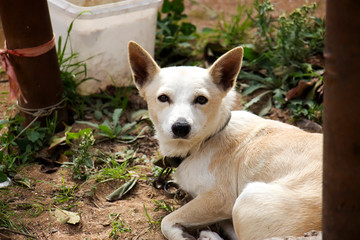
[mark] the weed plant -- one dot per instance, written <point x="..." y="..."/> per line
<point x="19" y="145"/>
<point x="174" y="35"/>
<point x="163" y="205"/>
<point x="118" y="166"/>
<point x="118" y="226"/>
<point x="278" y="60"/>
<point x="82" y="161"/>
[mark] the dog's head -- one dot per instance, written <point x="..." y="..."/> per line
<point x="186" y="103"/>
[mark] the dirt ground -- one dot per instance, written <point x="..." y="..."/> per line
<point x="35" y="204"/>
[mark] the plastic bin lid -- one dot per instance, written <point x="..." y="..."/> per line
<point x="104" y="10"/>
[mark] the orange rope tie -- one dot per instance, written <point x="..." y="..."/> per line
<point x="15" y="91"/>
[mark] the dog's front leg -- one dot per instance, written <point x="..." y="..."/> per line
<point x="205" y="209"/>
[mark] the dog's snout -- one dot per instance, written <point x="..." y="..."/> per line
<point x="181" y="128"/>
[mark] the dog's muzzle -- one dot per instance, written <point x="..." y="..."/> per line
<point x="181" y="128"/>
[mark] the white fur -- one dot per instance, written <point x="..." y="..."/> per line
<point x="263" y="175"/>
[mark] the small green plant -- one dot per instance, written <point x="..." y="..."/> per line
<point x="65" y="195"/>
<point x="19" y="144"/>
<point x="118" y="166"/>
<point x="163" y="205"/>
<point x="114" y="130"/>
<point x="82" y="157"/>
<point x="118" y="226"/>
<point x="110" y="99"/>
<point x="306" y="109"/>
<point x="113" y="170"/>
<point x="151" y="222"/>
<point x="174" y="35"/>
<point x="34" y="209"/>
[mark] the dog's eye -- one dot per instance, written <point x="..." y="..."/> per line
<point x="163" y="98"/>
<point x="201" y="100"/>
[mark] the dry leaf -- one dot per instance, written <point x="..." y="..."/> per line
<point x="62" y="158"/>
<point x="67" y="217"/>
<point x="300" y="88"/>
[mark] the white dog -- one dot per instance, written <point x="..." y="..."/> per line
<point x="264" y="176"/>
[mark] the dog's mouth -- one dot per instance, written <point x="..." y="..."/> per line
<point x="180" y="138"/>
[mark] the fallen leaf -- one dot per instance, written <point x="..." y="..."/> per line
<point x="62" y="158"/>
<point x="57" y="140"/>
<point x="300" y="88"/>
<point x="66" y="216"/>
<point x="121" y="191"/>
<point x="22" y="180"/>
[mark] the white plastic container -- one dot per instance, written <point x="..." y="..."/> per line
<point x="102" y="33"/>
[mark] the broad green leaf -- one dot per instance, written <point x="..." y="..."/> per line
<point x="3" y="121"/>
<point x="89" y="123"/>
<point x="166" y="6"/>
<point x="33" y="136"/>
<point x="252" y="89"/>
<point x="266" y="108"/>
<point x="121" y="191"/>
<point x="89" y="162"/>
<point x="187" y="28"/>
<point x="140" y="114"/>
<point x="116" y="115"/>
<point x="106" y="123"/>
<point x="105" y="129"/>
<point x="249" y="52"/>
<point x="129" y="138"/>
<point x="117" y="130"/>
<point x="256" y="99"/>
<point x="128" y="127"/>
<point x="98" y="115"/>
<point x="256" y="78"/>
<point x="207" y="30"/>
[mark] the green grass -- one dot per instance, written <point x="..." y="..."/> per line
<point x="65" y="196"/>
<point x="118" y="226"/>
<point x="9" y="219"/>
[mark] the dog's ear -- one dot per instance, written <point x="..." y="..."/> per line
<point x="225" y="70"/>
<point x="142" y="65"/>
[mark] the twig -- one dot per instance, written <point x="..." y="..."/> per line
<point x="3" y="236"/>
<point x="16" y="232"/>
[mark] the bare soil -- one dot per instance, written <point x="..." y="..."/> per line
<point x="35" y="204"/>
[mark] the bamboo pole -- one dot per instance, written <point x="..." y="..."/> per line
<point x="341" y="179"/>
<point x="26" y="24"/>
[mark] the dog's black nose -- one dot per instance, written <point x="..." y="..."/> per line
<point x="181" y="128"/>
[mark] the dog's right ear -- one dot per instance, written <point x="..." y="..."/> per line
<point x="142" y="65"/>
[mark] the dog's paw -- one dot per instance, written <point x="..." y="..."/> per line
<point x="209" y="235"/>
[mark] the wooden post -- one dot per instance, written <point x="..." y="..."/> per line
<point x="341" y="193"/>
<point x="27" y="24"/>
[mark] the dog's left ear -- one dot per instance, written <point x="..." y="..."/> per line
<point x="225" y="70"/>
